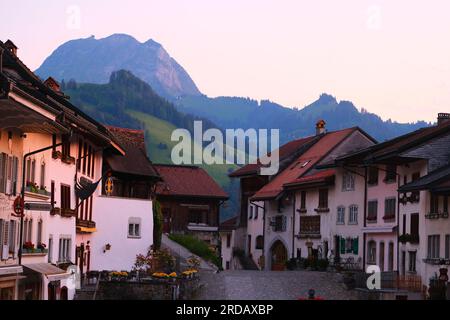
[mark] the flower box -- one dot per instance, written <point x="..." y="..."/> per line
<point x="68" y="213"/>
<point x="322" y="210"/>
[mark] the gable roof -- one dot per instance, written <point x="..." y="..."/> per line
<point x="303" y="163"/>
<point x="229" y="224"/>
<point x="17" y="78"/>
<point x="396" y="146"/>
<point x="286" y="150"/>
<point x="135" y="160"/>
<point x="435" y="180"/>
<point x="187" y="181"/>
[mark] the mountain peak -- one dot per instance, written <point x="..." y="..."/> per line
<point x="93" y="60"/>
<point x="326" y="98"/>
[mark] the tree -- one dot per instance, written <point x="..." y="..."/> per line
<point x="157" y="224"/>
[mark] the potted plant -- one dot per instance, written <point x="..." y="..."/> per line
<point x="42" y="247"/>
<point x="28" y="247"/>
<point x="291" y="264"/>
<point x="322" y="264"/>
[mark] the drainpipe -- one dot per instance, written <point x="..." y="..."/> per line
<point x="398" y="223"/>
<point x="365" y="217"/>
<point x="293" y="226"/>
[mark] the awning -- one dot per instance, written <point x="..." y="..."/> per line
<point x="10" y="270"/>
<point x="50" y="271"/>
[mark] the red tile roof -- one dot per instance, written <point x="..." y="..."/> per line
<point x="318" y="176"/>
<point x="229" y="224"/>
<point x="190" y="181"/>
<point x="303" y="164"/>
<point x="285" y="151"/>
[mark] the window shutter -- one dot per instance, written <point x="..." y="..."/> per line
<point x="284" y="222"/>
<point x="2" y="172"/>
<point x="15" y="175"/>
<point x="355" y="245"/>
<point x="342" y="245"/>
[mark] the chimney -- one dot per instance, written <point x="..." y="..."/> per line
<point x="1" y="59"/>
<point x="443" y="117"/>
<point x="11" y="47"/>
<point x="320" y="127"/>
<point x="52" y="84"/>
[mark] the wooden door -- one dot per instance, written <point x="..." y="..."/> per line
<point x="279" y="256"/>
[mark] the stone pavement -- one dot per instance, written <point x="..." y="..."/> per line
<point x="271" y="285"/>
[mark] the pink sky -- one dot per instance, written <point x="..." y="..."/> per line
<point x="390" y="57"/>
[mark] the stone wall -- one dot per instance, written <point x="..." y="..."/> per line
<point x="180" y="289"/>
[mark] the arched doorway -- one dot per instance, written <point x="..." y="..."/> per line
<point x="278" y="254"/>
<point x="64" y="293"/>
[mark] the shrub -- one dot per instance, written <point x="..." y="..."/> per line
<point x="291" y="264"/>
<point x="197" y="247"/>
<point x="322" y="264"/>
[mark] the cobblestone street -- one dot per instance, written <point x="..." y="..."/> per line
<point x="271" y="285"/>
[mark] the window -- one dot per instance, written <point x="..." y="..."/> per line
<point x="65" y="148"/>
<point x="372" y="252"/>
<point x="227" y="265"/>
<point x="250" y="213"/>
<point x="42" y="180"/>
<point x="228" y="240"/>
<point x="259" y="244"/>
<point x="323" y="198"/>
<point x="433" y="246"/>
<point x="372" y="210"/>
<point x="389" y="208"/>
<point x="50" y="249"/>
<point x="447" y="246"/>
<point x="256" y="212"/>
<point x="8" y="174"/>
<point x="13" y="231"/>
<point x="64" y="249"/>
<point x="279" y="223"/>
<point x="391" y="173"/>
<point x="310" y="225"/>
<point x="445" y="204"/>
<point x="373" y="176"/>
<point x="303" y="200"/>
<point x="414" y="224"/>
<point x="348" y="182"/>
<point x="198" y="216"/>
<point x="65" y="196"/>
<point x="27" y="230"/>
<point x="340" y="215"/>
<point x="52" y="193"/>
<point x="353" y="214"/>
<point x="391" y="256"/>
<point x="134" y="228"/>
<point x="416" y="194"/>
<point x="39" y="232"/>
<point x="404" y="224"/>
<point x="412" y="261"/>
<point x="434" y="203"/>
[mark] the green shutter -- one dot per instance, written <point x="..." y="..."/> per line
<point x="342" y="245"/>
<point x="355" y="245"/>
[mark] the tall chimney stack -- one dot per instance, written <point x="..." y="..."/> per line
<point x="1" y="59"/>
<point x="320" y="127"/>
<point x="11" y="47"/>
<point x="443" y="117"/>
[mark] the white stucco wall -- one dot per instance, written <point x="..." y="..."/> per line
<point x="111" y="216"/>
<point x="227" y="252"/>
<point x="255" y="229"/>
